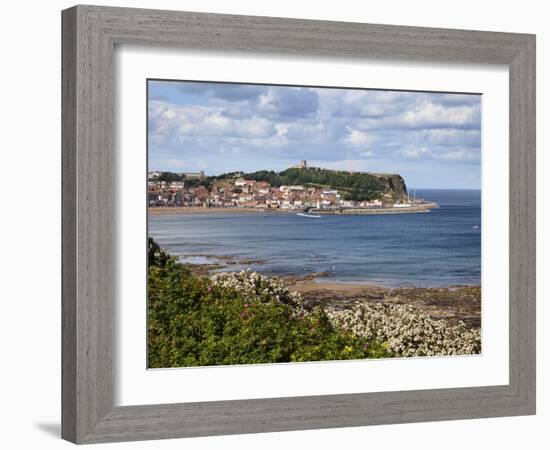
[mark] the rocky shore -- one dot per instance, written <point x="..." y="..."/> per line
<point x="407" y="321"/>
<point x="452" y="304"/>
<point x="213" y="262"/>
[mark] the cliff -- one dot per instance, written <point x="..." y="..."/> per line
<point x="395" y="186"/>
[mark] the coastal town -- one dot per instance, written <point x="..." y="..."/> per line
<point x="190" y="190"/>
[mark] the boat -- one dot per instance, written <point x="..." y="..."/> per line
<point x="312" y="216"/>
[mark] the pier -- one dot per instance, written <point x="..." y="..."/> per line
<point x="412" y="209"/>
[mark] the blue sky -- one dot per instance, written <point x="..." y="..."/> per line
<point x="433" y="140"/>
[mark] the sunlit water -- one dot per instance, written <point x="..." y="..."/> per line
<point x="439" y="248"/>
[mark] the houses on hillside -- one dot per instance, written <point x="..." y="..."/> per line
<point x="239" y="192"/>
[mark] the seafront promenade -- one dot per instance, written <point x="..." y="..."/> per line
<point x="414" y="208"/>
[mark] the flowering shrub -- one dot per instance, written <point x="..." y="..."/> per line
<point x="238" y="319"/>
<point x="405" y="331"/>
<point x="254" y="286"/>
<point x="156" y="256"/>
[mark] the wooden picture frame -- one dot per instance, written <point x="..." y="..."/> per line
<point x="90" y="34"/>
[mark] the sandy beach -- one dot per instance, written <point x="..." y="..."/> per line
<point x="201" y="210"/>
<point x="309" y="285"/>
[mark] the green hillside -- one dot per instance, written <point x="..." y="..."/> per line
<point x="357" y="186"/>
<point x="353" y="185"/>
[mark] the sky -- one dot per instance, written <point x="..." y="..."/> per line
<point x="433" y="140"/>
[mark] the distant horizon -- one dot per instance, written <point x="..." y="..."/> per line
<point x="428" y="138"/>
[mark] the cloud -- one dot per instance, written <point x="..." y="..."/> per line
<point x="450" y="137"/>
<point x="378" y="110"/>
<point x="457" y="99"/>
<point x="225" y="91"/>
<point x="301" y="131"/>
<point x="372" y="104"/>
<point x="438" y="154"/>
<point x="246" y="127"/>
<point x="434" y="115"/>
<point x="357" y="138"/>
<point x="288" y="103"/>
<point x="185" y="121"/>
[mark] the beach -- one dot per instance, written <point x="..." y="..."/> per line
<point x="200" y="210"/>
<point x="451" y="303"/>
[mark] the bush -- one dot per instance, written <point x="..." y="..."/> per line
<point x="241" y="318"/>
<point x="252" y="285"/>
<point x="406" y="331"/>
<point x="155" y="255"/>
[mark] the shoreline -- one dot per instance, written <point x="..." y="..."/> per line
<point x="313" y="285"/>
<point x="308" y="282"/>
<point x="166" y="210"/>
<point x="452" y="303"/>
<point x="320" y="282"/>
<point x="313" y="281"/>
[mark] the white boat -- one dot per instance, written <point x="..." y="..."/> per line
<point x="313" y="216"/>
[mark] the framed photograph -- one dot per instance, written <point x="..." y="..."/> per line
<point x="277" y="224"/>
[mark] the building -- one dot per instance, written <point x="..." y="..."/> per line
<point x="177" y="184"/>
<point x="295" y="188"/>
<point x="301" y="165"/>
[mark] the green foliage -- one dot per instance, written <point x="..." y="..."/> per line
<point x="195" y="182"/>
<point x="189" y="183"/>
<point x="155" y="255"/>
<point x="169" y="177"/>
<point x="193" y="322"/>
<point x="355" y="185"/>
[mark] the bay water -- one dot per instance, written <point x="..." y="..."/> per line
<point x="439" y="248"/>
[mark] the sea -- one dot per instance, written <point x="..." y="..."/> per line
<point x="439" y="248"/>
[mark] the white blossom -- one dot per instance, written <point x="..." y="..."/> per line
<point x="406" y="331"/>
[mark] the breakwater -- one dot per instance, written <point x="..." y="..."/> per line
<point x="418" y="208"/>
